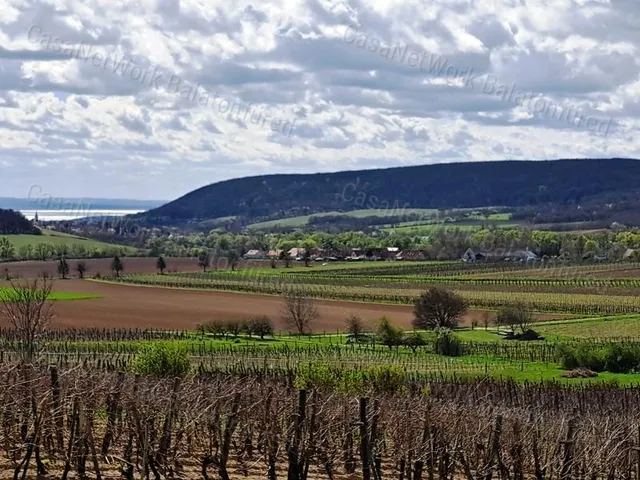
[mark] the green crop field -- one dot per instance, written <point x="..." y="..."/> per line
<point x="303" y="220"/>
<point x="57" y="238"/>
<point x="57" y="296"/>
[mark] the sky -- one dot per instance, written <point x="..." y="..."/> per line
<point x="152" y="99"/>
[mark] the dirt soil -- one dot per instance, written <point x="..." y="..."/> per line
<point x="129" y="306"/>
<point x="102" y="266"/>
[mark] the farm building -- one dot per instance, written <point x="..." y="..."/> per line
<point x="254" y="255"/>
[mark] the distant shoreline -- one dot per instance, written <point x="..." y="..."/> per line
<point x="62" y="215"/>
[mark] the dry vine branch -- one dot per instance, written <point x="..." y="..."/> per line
<point x="25" y="306"/>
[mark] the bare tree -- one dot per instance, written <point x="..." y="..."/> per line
<point x="438" y="307"/>
<point x="26" y="307"/>
<point x="515" y="316"/>
<point x="298" y="311"/>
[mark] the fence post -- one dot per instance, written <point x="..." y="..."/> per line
<point x="568" y="444"/>
<point x="57" y="408"/>
<point x="364" y="440"/>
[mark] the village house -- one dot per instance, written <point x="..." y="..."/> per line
<point x="296" y="252"/>
<point x="254" y="255"/>
<point x="499" y="255"/>
<point x="412" y="255"/>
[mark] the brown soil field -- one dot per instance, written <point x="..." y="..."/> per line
<point x="128" y="306"/>
<point x="102" y="266"/>
<point x="626" y="273"/>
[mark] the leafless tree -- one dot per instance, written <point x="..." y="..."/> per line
<point x="438" y="307"/>
<point x="298" y="311"/>
<point x="515" y="316"/>
<point x="25" y="306"/>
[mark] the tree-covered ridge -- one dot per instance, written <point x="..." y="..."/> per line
<point x="454" y="185"/>
<point x="14" y="223"/>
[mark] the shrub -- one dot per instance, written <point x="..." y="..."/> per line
<point x="162" y="360"/>
<point x="620" y="358"/>
<point x="567" y="356"/>
<point x="582" y="356"/>
<point x="447" y="343"/>
<point x="313" y="375"/>
<point x="388" y="334"/>
<point x="355" y="328"/>
<point x="386" y="379"/>
<point x="357" y="382"/>
<point x="414" y="341"/>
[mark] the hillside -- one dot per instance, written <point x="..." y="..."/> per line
<point x="442" y="186"/>
<point x="58" y="238"/>
<point x="16" y="224"/>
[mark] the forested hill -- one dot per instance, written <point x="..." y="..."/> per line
<point x="14" y="223"/>
<point x="471" y="184"/>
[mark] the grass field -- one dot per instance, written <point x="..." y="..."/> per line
<point x="303" y="220"/>
<point x="58" y="238"/>
<point x="428" y="223"/>
<point x="59" y="296"/>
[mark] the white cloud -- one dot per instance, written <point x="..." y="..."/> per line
<point x="234" y="73"/>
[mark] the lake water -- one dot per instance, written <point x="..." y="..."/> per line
<point x="60" y="215"/>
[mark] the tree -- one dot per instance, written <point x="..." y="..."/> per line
<point x="161" y="265"/>
<point x="81" y="268"/>
<point x="306" y="256"/>
<point x="284" y="255"/>
<point x="7" y="249"/>
<point x="298" y="311"/>
<point x="63" y="268"/>
<point x="233" y="327"/>
<point x="27" y="309"/>
<point x="233" y="257"/>
<point x="355" y="328"/>
<point x="204" y="259"/>
<point x="43" y="251"/>
<point x="389" y="334"/>
<point x="438" y="307"/>
<point x="117" y="266"/>
<point x="414" y="341"/>
<point x="515" y="316"/>
<point x="261" y="326"/>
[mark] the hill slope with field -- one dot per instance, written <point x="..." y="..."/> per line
<point x="442" y="186"/>
<point x="15" y="223"/>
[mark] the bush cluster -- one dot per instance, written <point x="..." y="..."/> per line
<point x="447" y="343"/>
<point x="260" y="326"/>
<point x="360" y="381"/>
<point x="615" y="357"/>
<point x="162" y="360"/>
